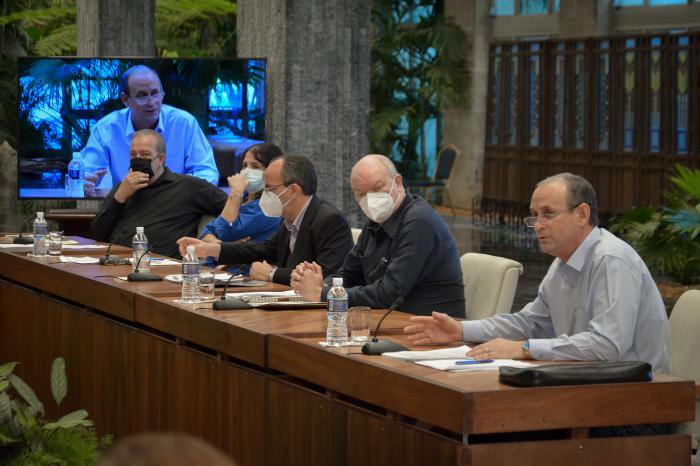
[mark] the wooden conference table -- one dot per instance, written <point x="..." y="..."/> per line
<point x="257" y="383"/>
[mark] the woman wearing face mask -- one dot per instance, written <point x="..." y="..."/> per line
<point x="241" y="217"/>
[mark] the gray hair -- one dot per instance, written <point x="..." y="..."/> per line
<point x="144" y="133"/>
<point x="578" y="191"/>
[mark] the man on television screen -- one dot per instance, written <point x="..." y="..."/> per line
<point x="107" y="148"/>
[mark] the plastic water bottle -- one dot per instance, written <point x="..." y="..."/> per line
<point x="41" y="229"/>
<point x="75" y="177"/>
<point x="190" y="276"/>
<point x="139" y="246"/>
<point x="337" y="330"/>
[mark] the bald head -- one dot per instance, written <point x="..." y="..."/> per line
<point x="371" y="164"/>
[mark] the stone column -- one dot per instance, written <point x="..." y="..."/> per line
<point x="116" y="28"/>
<point x="318" y="63"/>
<point x="466" y="127"/>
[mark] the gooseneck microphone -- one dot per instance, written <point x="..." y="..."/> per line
<point x="230" y="304"/>
<point x="143" y="275"/>
<point x="376" y="346"/>
<point x="23" y="239"/>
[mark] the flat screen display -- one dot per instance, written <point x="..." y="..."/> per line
<point x="62" y="99"/>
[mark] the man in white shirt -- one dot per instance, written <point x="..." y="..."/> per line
<point x="598" y="300"/>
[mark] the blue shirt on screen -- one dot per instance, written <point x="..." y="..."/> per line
<point x="187" y="150"/>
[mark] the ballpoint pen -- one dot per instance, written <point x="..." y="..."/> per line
<point x="473" y="361"/>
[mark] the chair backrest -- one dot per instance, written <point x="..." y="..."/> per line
<point x="489" y="284"/>
<point x="685" y="348"/>
<point x="203" y="221"/>
<point x="445" y="161"/>
<point x="355" y="234"/>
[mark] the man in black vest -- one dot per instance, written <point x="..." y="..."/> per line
<point x="312" y="229"/>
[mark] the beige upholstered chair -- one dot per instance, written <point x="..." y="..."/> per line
<point x="685" y="351"/>
<point x="489" y="284"/>
<point x="355" y="234"/>
<point x="203" y="221"/>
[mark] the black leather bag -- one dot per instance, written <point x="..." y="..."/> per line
<point x="576" y="374"/>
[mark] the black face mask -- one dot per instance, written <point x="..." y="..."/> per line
<point x="142" y="165"/>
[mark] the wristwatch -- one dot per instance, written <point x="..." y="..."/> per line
<point x="526" y="349"/>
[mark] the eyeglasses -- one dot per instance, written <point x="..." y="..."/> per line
<point x="147" y="98"/>
<point x="272" y="188"/>
<point x="546" y="217"/>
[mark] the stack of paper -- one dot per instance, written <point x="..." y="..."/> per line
<point x="465" y="364"/>
<point x="79" y="260"/>
<point x="446" y="353"/>
<point x="454" y="359"/>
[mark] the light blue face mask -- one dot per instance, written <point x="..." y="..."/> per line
<point x="254" y="178"/>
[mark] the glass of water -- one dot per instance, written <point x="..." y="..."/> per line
<point x="359" y="324"/>
<point x="206" y="285"/>
<point x="55" y="243"/>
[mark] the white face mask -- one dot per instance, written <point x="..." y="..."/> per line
<point x="271" y="205"/>
<point x="254" y="178"/>
<point x="379" y="206"/>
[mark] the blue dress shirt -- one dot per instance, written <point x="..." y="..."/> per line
<point x="602" y="304"/>
<point x="187" y="150"/>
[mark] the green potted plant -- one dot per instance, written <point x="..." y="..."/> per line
<point x="668" y="237"/>
<point x="28" y="438"/>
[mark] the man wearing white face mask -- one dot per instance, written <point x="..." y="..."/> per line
<point x="405" y="250"/>
<point x="311" y="229"/>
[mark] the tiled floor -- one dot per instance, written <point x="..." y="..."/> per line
<point x="517" y="244"/>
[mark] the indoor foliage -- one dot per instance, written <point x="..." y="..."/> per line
<point x="668" y="237"/>
<point x="28" y="438"/>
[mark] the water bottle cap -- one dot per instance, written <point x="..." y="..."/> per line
<point x="190" y="249"/>
<point x="40" y="214"/>
<point x="139" y="229"/>
<point x="337" y="281"/>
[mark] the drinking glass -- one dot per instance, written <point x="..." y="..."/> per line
<point x="55" y="243"/>
<point x="359" y="324"/>
<point x="206" y="285"/>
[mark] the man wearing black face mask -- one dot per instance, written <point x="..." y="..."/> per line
<point x="166" y="204"/>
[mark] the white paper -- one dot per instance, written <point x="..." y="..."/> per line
<point x="14" y="246"/>
<point x="349" y="343"/>
<point x="445" y="353"/>
<point x="79" y="260"/>
<point x="158" y="261"/>
<point x="84" y="246"/>
<point x="451" y="365"/>
<point x="280" y="294"/>
<point x="177" y="277"/>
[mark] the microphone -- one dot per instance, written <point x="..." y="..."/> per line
<point x="143" y="275"/>
<point x="108" y="259"/>
<point x="376" y="346"/>
<point x="230" y="304"/>
<point x="23" y="239"/>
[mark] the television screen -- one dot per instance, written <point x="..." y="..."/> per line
<point x="62" y="99"/>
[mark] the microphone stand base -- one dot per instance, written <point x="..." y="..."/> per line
<point x="375" y="348"/>
<point x="144" y="276"/>
<point x="23" y="240"/>
<point x="230" y="304"/>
